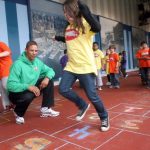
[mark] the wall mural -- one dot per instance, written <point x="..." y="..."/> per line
<point x="137" y="37"/>
<point x="111" y="33"/>
<point x="44" y="27"/>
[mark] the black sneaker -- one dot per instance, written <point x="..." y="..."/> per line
<point x="82" y="113"/>
<point x="105" y="125"/>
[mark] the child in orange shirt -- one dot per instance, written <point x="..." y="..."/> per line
<point x="114" y="67"/>
<point x="5" y="63"/>
<point x="143" y="55"/>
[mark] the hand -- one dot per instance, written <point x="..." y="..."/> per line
<point x="117" y="68"/>
<point x="35" y="90"/>
<point x="44" y="83"/>
<point x="53" y="37"/>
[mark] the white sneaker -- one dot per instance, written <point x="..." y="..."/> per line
<point x="108" y="83"/>
<point x="45" y="112"/>
<point x="100" y="89"/>
<point x="20" y="120"/>
<point x="105" y="125"/>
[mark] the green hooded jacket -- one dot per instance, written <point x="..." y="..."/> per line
<point x="24" y="73"/>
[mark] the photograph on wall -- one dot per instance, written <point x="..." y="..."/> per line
<point x="45" y="26"/>
<point x="144" y="12"/>
<point x="111" y="33"/>
<point x="138" y="36"/>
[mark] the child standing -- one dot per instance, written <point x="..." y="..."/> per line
<point x="5" y="64"/>
<point x="98" y="54"/>
<point x="143" y="55"/>
<point x="114" y="67"/>
<point x="106" y="64"/>
<point x="64" y="59"/>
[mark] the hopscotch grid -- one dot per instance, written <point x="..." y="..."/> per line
<point x="17" y="136"/>
<point x="86" y="122"/>
<point x="144" y="115"/>
<point x="4" y="122"/>
<point x="61" y="146"/>
<point x="71" y="143"/>
<point x="67" y="142"/>
<point x="123" y="129"/>
<point x="5" y="118"/>
<point x="114" y="106"/>
<point x="69" y="117"/>
<point x="142" y="105"/>
<point x="65" y="128"/>
<point x="139" y="133"/>
<point x="94" y="123"/>
<point x="124" y="113"/>
<point x="110" y="139"/>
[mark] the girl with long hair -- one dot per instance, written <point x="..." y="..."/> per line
<point x="81" y="64"/>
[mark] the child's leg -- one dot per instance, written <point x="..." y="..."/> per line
<point x="112" y="79"/>
<point x="5" y="99"/>
<point x="116" y="79"/>
<point x="66" y="83"/>
<point x="99" y="81"/>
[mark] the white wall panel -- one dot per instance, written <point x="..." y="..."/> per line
<point x="23" y="25"/>
<point x="3" y="23"/>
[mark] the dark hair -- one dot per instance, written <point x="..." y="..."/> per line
<point x="30" y="43"/>
<point x="112" y="47"/>
<point x="95" y="43"/>
<point x="107" y="52"/>
<point x="72" y="9"/>
<point x="143" y="42"/>
<point x="65" y="51"/>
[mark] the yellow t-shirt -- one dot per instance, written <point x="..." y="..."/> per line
<point x="106" y="62"/>
<point x="80" y="52"/>
<point x="98" y="54"/>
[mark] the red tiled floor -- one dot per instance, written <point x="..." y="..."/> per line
<point x="147" y="114"/>
<point x="3" y="120"/>
<point x="144" y="102"/>
<point x="71" y="147"/>
<point x="127" y="141"/>
<point x="32" y="140"/>
<point x="86" y="135"/>
<point x="129" y="129"/>
<point x="130" y="109"/>
<point x="133" y="123"/>
<point x="92" y="116"/>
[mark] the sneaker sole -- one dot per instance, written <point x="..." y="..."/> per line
<point x="80" y="118"/>
<point x="19" y="123"/>
<point x="104" y="129"/>
<point x="48" y="115"/>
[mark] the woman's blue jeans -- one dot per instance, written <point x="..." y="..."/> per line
<point x="88" y="84"/>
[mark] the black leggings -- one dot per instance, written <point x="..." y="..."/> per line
<point x="23" y="99"/>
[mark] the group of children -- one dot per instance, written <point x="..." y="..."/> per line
<point x="143" y="56"/>
<point x="113" y="63"/>
<point x="82" y="62"/>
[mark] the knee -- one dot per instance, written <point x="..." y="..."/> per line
<point x="62" y="90"/>
<point x="28" y="97"/>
